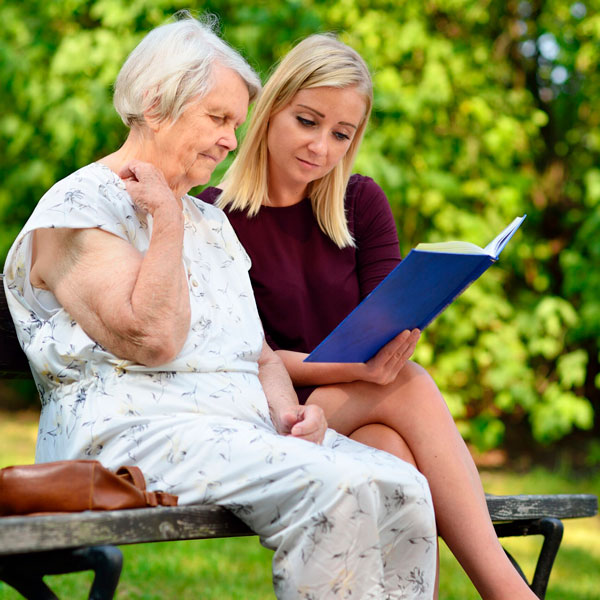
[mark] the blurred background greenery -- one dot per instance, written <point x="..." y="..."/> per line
<point x="485" y="110"/>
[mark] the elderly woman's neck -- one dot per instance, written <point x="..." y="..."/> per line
<point x="139" y="146"/>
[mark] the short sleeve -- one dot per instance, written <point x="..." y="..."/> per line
<point x="375" y="234"/>
<point x="92" y="197"/>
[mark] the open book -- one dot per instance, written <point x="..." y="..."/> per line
<point x="410" y="297"/>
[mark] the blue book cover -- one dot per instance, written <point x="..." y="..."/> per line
<point x="410" y="297"/>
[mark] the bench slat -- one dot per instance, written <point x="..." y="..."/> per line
<point x="526" y="506"/>
<point x="53" y="532"/>
<point x="118" y="527"/>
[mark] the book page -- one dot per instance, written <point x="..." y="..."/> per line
<point x="493" y="249"/>
<point x="452" y="247"/>
<point x="497" y="244"/>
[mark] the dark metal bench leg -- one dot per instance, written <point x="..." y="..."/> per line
<point x="25" y="572"/>
<point x="552" y="530"/>
<point x="32" y="587"/>
<point x="106" y="562"/>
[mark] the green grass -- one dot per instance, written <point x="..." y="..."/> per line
<point x="239" y="568"/>
<point x="18" y="433"/>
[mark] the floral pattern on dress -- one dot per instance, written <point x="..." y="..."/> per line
<point x="344" y="520"/>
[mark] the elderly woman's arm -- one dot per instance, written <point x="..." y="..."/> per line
<point x="289" y="417"/>
<point x="136" y="306"/>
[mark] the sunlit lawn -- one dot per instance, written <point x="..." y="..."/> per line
<point x="239" y="568"/>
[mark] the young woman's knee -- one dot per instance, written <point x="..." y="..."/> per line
<point x="413" y="372"/>
<point x="383" y="437"/>
<point x="415" y="384"/>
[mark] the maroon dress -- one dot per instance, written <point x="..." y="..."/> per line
<point x="303" y="283"/>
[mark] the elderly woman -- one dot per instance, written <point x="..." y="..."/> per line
<point x="133" y="303"/>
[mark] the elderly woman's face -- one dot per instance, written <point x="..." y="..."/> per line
<point x="191" y="147"/>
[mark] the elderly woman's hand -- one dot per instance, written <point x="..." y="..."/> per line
<point x="148" y="187"/>
<point x="305" y="422"/>
<point x="289" y="418"/>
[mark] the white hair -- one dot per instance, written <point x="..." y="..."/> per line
<point x="172" y="65"/>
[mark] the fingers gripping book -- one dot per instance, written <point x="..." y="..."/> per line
<point x="428" y="280"/>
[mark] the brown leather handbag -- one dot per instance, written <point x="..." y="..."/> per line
<point x="73" y="486"/>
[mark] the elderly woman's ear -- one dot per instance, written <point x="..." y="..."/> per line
<point x="152" y="120"/>
<point x="152" y="113"/>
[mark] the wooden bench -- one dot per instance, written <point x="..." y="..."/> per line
<point x="31" y="547"/>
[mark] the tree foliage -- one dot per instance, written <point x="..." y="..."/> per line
<point x="484" y="110"/>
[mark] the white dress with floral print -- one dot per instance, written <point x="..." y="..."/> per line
<point x="344" y="520"/>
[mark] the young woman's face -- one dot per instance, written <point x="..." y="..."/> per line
<point x="309" y="136"/>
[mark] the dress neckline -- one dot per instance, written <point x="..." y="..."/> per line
<point x="289" y="207"/>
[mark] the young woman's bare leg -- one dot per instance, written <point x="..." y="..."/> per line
<point x="413" y="407"/>
<point x="385" y="438"/>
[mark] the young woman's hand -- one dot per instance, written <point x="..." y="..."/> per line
<point x="384" y="367"/>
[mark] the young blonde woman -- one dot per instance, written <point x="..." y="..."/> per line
<point x="320" y="240"/>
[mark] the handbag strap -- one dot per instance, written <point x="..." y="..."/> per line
<point x="135" y="476"/>
<point x="166" y="499"/>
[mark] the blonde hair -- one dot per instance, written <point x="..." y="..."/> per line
<point x="172" y="65"/>
<point x="318" y="61"/>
